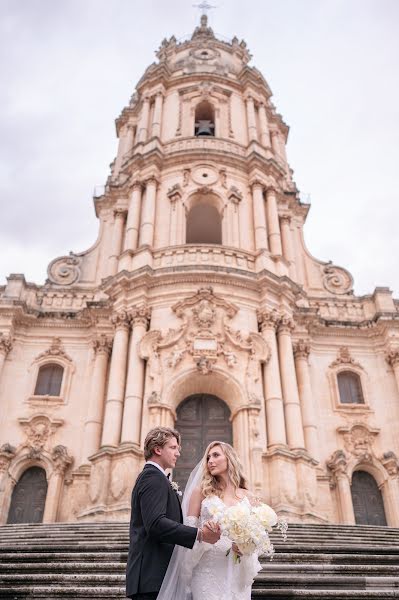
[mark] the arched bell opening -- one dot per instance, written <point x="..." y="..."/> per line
<point x="29" y="497"/>
<point x="204" y="225"/>
<point x="204" y="120"/>
<point x="201" y="419"/>
<point x="368" y="504"/>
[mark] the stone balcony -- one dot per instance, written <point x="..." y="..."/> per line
<point x="202" y="256"/>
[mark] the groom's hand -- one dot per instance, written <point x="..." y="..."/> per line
<point x="210" y="533"/>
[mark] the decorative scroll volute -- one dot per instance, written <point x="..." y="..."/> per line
<point x="65" y="270"/>
<point x="337" y="280"/>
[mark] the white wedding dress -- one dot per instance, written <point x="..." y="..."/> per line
<point x="210" y="574"/>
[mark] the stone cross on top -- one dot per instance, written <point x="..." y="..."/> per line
<point x="204" y="6"/>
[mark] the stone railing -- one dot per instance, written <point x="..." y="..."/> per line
<point x="204" y="143"/>
<point x="203" y="255"/>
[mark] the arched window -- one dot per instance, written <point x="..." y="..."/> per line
<point x="49" y="380"/>
<point x="204" y="120"/>
<point x="350" y="388"/>
<point x="204" y="225"/>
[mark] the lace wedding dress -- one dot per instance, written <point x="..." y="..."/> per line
<point x="211" y="574"/>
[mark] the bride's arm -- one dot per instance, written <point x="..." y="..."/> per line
<point x="194" y="506"/>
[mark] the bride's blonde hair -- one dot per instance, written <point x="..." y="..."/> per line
<point x="210" y="485"/>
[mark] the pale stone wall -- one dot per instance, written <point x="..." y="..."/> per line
<point x="142" y="320"/>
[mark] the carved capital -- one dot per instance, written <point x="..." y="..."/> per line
<point x="268" y="319"/>
<point x="137" y="185"/>
<point x="285" y="219"/>
<point x="102" y="345"/>
<point x="286" y="324"/>
<point x="119" y="213"/>
<point x="338" y="463"/>
<point x="5" y="344"/>
<point x="392" y="357"/>
<point x="174" y="193"/>
<point x="121" y="320"/>
<point x="153" y="181"/>
<point x="301" y="349"/>
<point x="234" y="195"/>
<point x="7" y="453"/>
<point x="61" y="459"/>
<point x="140" y="315"/>
<point x="257" y="184"/>
<point x="391" y="463"/>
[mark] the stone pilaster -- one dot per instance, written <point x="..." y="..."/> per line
<point x="392" y="358"/>
<point x="148" y="213"/>
<point x="95" y="412"/>
<point x="5" y="348"/>
<point x="264" y="126"/>
<point x="142" y="130"/>
<point x="251" y="119"/>
<point x="133" y="217"/>
<point x="61" y="461"/>
<point x="292" y="408"/>
<point x="338" y="465"/>
<point x="259" y="216"/>
<point x="273" y="224"/>
<point x="117" y="237"/>
<point x="133" y="405"/>
<point x="116" y="384"/>
<point x="275" y="422"/>
<point x="301" y="354"/>
<point x="156" y="127"/>
<point x="287" y="244"/>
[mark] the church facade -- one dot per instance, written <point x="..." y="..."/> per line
<point x="199" y="307"/>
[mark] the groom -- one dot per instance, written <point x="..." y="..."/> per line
<point x="156" y="518"/>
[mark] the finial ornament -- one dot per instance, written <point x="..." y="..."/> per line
<point x="204" y="6"/>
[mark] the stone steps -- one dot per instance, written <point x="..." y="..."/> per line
<point x="78" y="561"/>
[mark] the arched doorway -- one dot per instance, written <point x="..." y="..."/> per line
<point x="29" y="497"/>
<point x="367" y="500"/>
<point x="201" y="419"/>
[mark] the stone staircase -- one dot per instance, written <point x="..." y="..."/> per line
<point x="80" y="561"/>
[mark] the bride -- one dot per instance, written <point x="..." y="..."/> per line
<point x="208" y="572"/>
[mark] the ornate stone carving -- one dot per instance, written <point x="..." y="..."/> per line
<point x="121" y="320"/>
<point x="358" y="441"/>
<point x="338" y="463"/>
<point x="391" y="463"/>
<point x="205" y="365"/>
<point x="5" y="344"/>
<point x="38" y="430"/>
<point x="268" y="319"/>
<point x="234" y="195"/>
<point x="140" y="315"/>
<point x="186" y="177"/>
<point x="174" y="193"/>
<point x="102" y="345"/>
<point x="7" y="453"/>
<point x="337" y="280"/>
<point x="118" y="480"/>
<point x="392" y="357"/>
<point x="56" y="350"/>
<point x="286" y="323"/>
<point x="175" y="357"/>
<point x="65" y="270"/>
<point x="301" y="349"/>
<point x="204" y="314"/>
<point x="61" y="459"/>
<point x="344" y="358"/>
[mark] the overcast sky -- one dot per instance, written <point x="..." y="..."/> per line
<point x="68" y="67"/>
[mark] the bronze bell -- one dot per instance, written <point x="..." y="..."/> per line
<point x="204" y="128"/>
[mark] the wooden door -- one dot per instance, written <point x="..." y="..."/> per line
<point x="29" y="497"/>
<point x="367" y="500"/>
<point x="201" y="419"/>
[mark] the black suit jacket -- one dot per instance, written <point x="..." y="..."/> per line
<point x="155" y="528"/>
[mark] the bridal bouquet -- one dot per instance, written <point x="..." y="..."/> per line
<point x="248" y="527"/>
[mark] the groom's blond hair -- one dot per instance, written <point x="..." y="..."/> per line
<point x="157" y="438"/>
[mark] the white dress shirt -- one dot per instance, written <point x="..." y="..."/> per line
<point x="150" y="462"/>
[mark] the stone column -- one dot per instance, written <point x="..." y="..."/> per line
<point x="301" y="354"/>
<point x="264" y="127"/>
<point x="148" y="213"/>
<point x="117" y="237"/>
<point x="7" y="453"/>
<point x="95" y="412"/>
<point x="273" y="224"/>
<point x="292" y="408"/>
<point x="275" y="422"/>
<point x="61" y="461"/>
<point x="275" y="142"/>
<point x="116" y="384"/>
<point x="142" y="134"/>
<point x="131" y="425"/>
<point x="392" y="358"/>
<point x="133" y="217"/>
<point x="286" y="239"/>
<point x="124" y="146"/>
<point x="5" y="348"/>
<point x="259" y="216"/>
<point x="338" y="465"/>
<point x="157" y="118"/>
<point x="251" y="118"/>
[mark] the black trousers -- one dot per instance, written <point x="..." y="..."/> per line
<point x="150" y="596"/>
